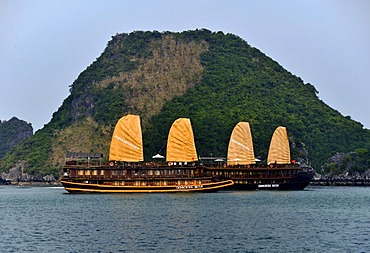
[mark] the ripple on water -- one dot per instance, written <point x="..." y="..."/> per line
<point x="319" y="219"/>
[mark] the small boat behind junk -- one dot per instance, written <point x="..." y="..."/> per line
<point x="280" y="173"/>
<point x="126" y="171"/>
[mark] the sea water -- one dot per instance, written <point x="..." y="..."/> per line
<point x="318" y="219"/>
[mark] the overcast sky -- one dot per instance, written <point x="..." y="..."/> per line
<point x="45" y="45"/>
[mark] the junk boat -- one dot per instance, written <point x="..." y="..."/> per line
<point x="280" y="173"/>
<point x="127" y="173"/>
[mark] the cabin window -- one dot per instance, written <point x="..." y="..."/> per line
<point x="87" y="173"/>
<point x="95" y="172"/>
<point x="80" y="172"/>
<point x="115" y="172"/>
<point x="73" y="173"/>
<point x="157" y="172"/>
<point x="102" y="173"/>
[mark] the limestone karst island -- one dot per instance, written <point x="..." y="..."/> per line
<point x="215" y="80"/>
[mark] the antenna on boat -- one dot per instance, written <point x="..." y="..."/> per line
<point x="165" y="142"/>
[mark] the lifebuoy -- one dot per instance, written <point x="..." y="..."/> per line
<point x="248" y="166"/>
<point x="225" y="165"/>
<point x="111" y="164"/>
<point x="271" y="165"/>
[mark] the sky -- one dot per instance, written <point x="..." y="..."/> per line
<point x="45" y="45"/>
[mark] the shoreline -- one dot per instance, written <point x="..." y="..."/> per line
<point x="35" y="184"/>
<point x="340" y="182"/>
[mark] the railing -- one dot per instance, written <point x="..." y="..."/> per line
<point x="139" y="177"/>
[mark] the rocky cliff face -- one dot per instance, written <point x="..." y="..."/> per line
<point x="13" y="132"/>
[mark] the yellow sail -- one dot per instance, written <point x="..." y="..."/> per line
<point x="240" y="149"/>
<point x="180" y="143"/>
<point x="127" y="143"/>
<point x="279" y="151"/>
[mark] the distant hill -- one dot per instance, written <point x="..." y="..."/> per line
<point x="213" y="78"/>
<point x="12" y="133"/>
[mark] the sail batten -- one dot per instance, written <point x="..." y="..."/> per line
<point x="127" y="144"/>
<point x="180" y="142"/>
<point x="279" y="152"/>
<point x="240" y="150"/>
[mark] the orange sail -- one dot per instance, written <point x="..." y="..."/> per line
<point x="180" y="143"/>
<point x="240" y="151"/>
<point x="127" y="144"/>
<point x="279" y="151"/>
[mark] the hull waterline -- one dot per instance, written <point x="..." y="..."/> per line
<point x="73" y="187"/>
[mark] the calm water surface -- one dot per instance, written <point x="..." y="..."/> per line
<point x="318" y="219"/>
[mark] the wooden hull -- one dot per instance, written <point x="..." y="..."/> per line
<point x="290" y="186"/>
<point x="81" y="187"/>
<point x="281" y="178"/>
